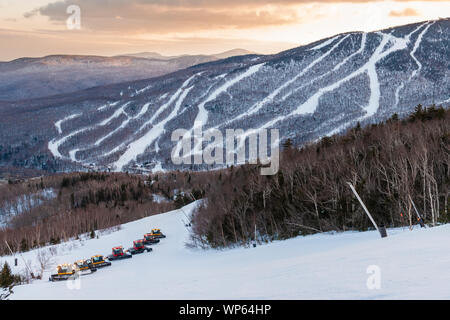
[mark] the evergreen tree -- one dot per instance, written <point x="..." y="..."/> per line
<point x="23" y="245"/>
<point x="6" y="276"/>
<point x="287" y="144"/>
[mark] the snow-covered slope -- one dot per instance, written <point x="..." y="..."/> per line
<point x="412" y="264"/>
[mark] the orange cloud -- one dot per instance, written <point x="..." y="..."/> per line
<point x="140" y="16"/>
<point x="407" y="12"/>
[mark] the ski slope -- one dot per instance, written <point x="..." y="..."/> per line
<point x="413" y="265"/>
<point x="306" y="93"/>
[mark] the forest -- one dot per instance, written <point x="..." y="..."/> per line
<point x="51" y="209"/>
<point x="393" y="165"/>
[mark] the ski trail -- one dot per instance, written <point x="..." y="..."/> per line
<point x="416" y="46"/>
<point x="397" y="94"/>
<point x="403" y="43"/>
<point x="59" y="122"/>
<point x="72" y="155"/>
<point x="445" y="101"/>
<point x="115" y="115"/>
<point x="324" y="44"/>
<point x="168" y="103"/>
<point x="402" y="85"/>
<point x="138" y="146"/>
<point x="277" y="119"/>
<point x="129" y="140"/>
<point x="202" y="115"/>
<point x="124" y="144"/>
<point x="369" y="67"/>
<point x="138" y="92"/>
<point x="101" y="108"/>
<point x="359" y="51"/>
<point x="257" y="106"/>
<point x="124" y="123"/>
<point x="337" y="67"/>
<point x="54" y="144"/>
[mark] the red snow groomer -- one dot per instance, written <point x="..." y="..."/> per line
<point x="139" y="247"/>
<point x="119" y="254"/>
<point x="150" y="239"/>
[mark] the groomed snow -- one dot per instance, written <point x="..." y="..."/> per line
<point x="413" y="264"/>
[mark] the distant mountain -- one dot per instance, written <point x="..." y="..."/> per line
<point x="222" y="55"/>
<point x="149" y="55"/>
<point x="28" y="78"/>
<point x="233" y="53"/>
<point x="308" y="92"/>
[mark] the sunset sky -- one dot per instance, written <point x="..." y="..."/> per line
<point x="30" y="28"/>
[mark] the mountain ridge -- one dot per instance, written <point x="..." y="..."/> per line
<point x="28" y="77"/>
<point x="307" y="92"/>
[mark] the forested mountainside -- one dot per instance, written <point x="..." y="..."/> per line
<point x="308" y="92"/>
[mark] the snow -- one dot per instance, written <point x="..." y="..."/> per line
<point x="139" y="145"/>
<point x="283" y="91"/>
<point x="412" y="264"/>
<point x="103" y="107"/>
<point x="323" y="44"/>
<point x="53" y="145"/>
<point x="256" y="107"/>
<point x="24" y="203"/>
<point x="73" y="154"/>
<point x="124" y="123"/>
<point x="115" y="115"/>
<point x="202" y="115"/>
<point x="360" y="51"/>
<point x="59" y="122"/>
<point x="416" y="46"/>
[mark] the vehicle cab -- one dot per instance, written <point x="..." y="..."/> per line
<point x="117" y="251"/>
<point x="138" y="244"/>
<point x="156" y="232"/>
<point x="97" y="259"/>
<point x="65" y="269"/>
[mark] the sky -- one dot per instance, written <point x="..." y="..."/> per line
<point x="33" y="28"/>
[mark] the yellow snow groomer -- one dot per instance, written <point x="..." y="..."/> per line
<point x="157" y="233"/>
<point x="64" y="272"/>
<point x="99" y="261"/>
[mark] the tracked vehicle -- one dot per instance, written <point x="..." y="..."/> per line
<point x="118" y="254"/>
<point x="99" y="261"/>
<point x="64" y="272"/>
<point x="157" y="233"/>
<point x="85" y="266"/>
<point x="139" y="247"/>
<point x="150" y="239"/>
